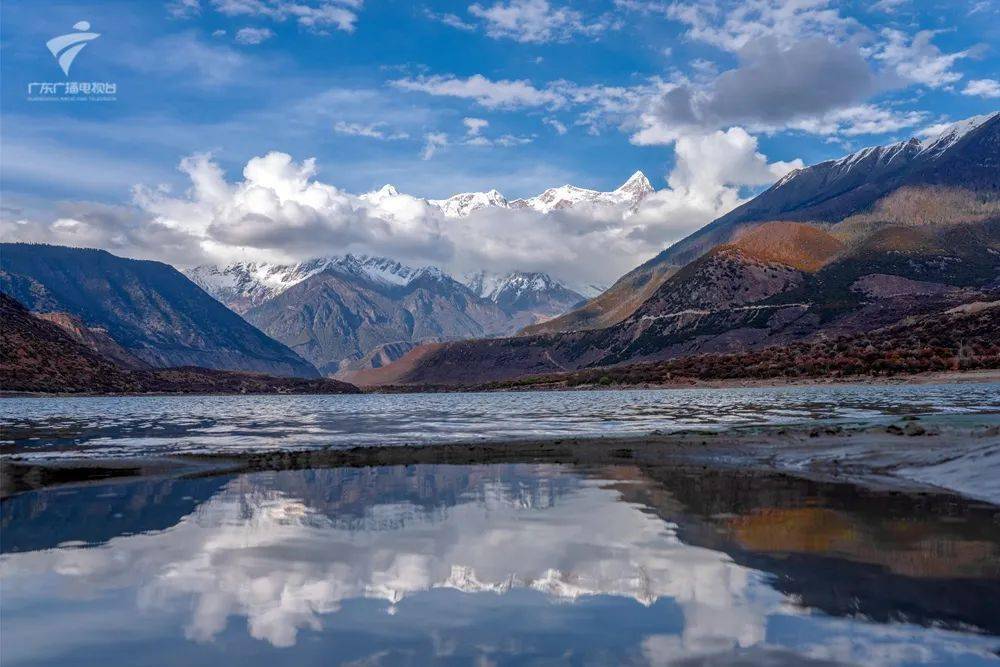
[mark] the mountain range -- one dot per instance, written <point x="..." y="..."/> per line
<point x="347" y="312"/>
<point x="149" y="309"/>
<point x="830" y="250"/>
<point x="629" y="194"/>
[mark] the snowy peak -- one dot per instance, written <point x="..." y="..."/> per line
<point x="950" y="135"/>
<point x="630" y="193"/>
<point x="378" y="196"/>
<point x="461" y="205"/>
<point x="636" y="187"/>
<point x="243" y="285"/>
<point x="531" y="296"/>
<point x="494" y="286"/>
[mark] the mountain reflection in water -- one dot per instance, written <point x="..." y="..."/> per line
<point x="499" y="563"/>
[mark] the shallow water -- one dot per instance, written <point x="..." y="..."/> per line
<point x="131" y="426"/>
<point x="502" y="564"/>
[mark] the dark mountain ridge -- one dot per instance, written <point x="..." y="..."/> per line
<point x="149" y="308"/>
<point x="38" y="355"/>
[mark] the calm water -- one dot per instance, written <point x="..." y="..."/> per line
<point x="511" y="564"/>
<point x="47" y="427"/>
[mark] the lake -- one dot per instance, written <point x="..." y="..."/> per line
<point x="139" y="425"/>
<point x="503" y="563"/>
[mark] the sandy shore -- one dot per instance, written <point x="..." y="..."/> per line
<point x="956" y="453"/>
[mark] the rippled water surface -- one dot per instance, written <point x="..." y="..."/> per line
<point x="501" y="564"/>
<point x="48" y="427"/>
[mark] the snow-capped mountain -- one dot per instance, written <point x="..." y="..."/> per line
<point x="958" y="155"/>
<point x="629" y="195"/>
<point x="530" y="296"/>
<point x="461" y="205"/>
<point x="244" y="285"/>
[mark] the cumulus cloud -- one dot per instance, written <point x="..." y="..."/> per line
<point x="772" y="87"/>
<point x="474" y="126"/>
<point x="253" y="36"/>
<point x="989" y="88"/>
<point x="538" y="21"/>
<point x="280" y="211"/>
<point x="706" y="182"/>
<point x="916" y="59"/>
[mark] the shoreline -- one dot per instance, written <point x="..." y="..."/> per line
<point x="937" y="377"/>
<point x="934" y="453"/>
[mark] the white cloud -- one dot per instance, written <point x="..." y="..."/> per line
<point x="501" y="94"/>
<point x="432" y="142"/>
<point x="281" y="211"/>
<point x="888" y="6"/>
<point x="184" y="9"/>
<point x="733" y="24"/>
<point x="858" y="120"/>
<point x="705" y="183"/>
<point x="253" y="36"/>
<point x="537" y="21"/>
<point x="475" y="126"/>
<point x="916" y="59"/>
<point x="311" y="14"/>
<point x="369" y="130"/>
<point x="451" y="20"/>
<point x="555" y="125"/>
<point x="989" y="88"/>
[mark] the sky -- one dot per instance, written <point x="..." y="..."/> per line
<point x="245" y="129"/>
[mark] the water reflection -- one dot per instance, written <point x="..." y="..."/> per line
<point x="505" y="564"/>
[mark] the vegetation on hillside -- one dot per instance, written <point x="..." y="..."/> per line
<point x="961" y="339"/>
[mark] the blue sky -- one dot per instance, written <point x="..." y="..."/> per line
<point x="379" y="91"/>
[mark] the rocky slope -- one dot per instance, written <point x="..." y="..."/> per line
<point x="332" y="319"/>
<point x="37" y="355"/>
<point x="148" y="308"/>
<point x="775" y="285"/>
<point x="368" y="302"/>
<point x="965" y="156"/>
<point x="526" y="296"/>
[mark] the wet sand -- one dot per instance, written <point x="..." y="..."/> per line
<point x="956" y="453"/>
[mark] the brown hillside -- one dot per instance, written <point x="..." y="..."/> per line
<point x="920" y="206"/>
<point x="612" y="306"/>
<point x="392" y="373"/>
<point x="793" y="244"/>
